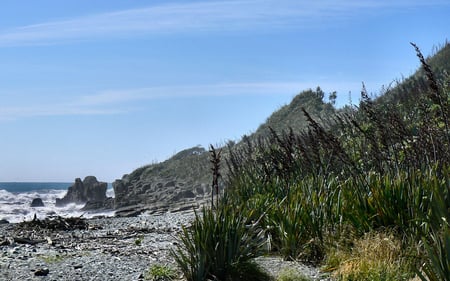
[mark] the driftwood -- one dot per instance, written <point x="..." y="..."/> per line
<point x="28" y="241"/>
<point x="56" y="223"/>
<point x="20" y="240"/>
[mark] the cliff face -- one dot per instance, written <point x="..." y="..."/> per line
<point x="182" y="178"/>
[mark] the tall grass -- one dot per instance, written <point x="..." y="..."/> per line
<point x="374" y="168"/>
<point x="376" y="256"/>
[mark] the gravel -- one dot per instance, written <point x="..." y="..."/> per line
<point x="111" y="249"/>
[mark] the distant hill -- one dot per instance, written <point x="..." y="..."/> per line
<point x="291" y="115"/>
<point x="185" y="178"/>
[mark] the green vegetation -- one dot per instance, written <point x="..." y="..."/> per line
<point x="290" y="274"/>
<point x="159" y="272"/>
<point x="51" y="259"/>
<point x="138" y="241"/>
<point x="190" y="165"/>
<point x="220" y="245"/>
<point x="291" y="117"/>
<point x="375" y="256"/>
<point x="437" y="264"/>
<point x="363" y="191"/>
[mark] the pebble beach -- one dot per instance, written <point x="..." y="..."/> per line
<point x="110" y="248"/>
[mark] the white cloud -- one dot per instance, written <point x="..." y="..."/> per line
<point x="20" y="112"/>
<point x="124" y="101"/>
<point x="210" y="90"/>
<point x="198" y="17"/>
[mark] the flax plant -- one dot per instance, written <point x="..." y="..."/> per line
<point x="220" y="245"/>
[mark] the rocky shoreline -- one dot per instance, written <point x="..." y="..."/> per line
<point x="114" y="248"/>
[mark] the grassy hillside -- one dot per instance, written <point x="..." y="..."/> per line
<point x="364" y="192"/>
<point x="290" y="116"/>
<point x="191" y="167"/>
<point x="188" y="165"/>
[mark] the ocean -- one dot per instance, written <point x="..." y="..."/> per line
<point x="16" y="197"/>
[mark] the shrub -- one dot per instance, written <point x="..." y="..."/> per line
<point x="220" y="245"/>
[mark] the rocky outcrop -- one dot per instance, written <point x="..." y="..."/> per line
<point x="154" y="191"/>
<point x="37" y="202"/>
<point x="107" y="204"/>
<point x="81" y="192"/>
<point x="183" y="179"/>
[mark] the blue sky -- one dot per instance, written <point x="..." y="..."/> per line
<point x="103" y="87"/>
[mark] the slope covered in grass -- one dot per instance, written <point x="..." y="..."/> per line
<point x="371" y="181"/>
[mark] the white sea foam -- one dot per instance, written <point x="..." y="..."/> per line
<point x="15" y="207"/>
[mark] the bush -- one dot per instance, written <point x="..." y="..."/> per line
<point x="220" y="245"/>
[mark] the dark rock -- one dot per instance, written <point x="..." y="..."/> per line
<point x="170" y="183"/>
<point x="183" y="195"/>
<point x="121" y="193"/>
<point x="107" y="204"/>
<point x="42" y="272"/>
<point x="131" y="211"/>
<point x="92" y="205"/>
<point x="84" y="191"/>
<point x="3" y="221"/>
<point x="37" y="202"/>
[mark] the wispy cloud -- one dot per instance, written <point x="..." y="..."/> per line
<point x="198" y="17"/>
<point x="126" y="101"/>
<point x="38" y="110"/>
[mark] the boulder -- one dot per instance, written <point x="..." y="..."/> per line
<point x="3" y="221"/>
<point x="84" y="191"/>
<point x="37" y="202"/>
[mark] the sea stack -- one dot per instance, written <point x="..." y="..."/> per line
<point x="37" y="202"/>
<point x="81" y="192"/>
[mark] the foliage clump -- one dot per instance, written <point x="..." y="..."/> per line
<point x="220" y="245"/>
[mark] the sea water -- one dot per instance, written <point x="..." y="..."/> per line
<point x="16" y="198"/>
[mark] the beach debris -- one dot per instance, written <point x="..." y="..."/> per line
<point x="56" y="223"/>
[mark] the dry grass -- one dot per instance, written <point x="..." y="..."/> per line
<point x="376" y="256"/>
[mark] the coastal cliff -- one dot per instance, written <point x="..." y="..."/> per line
<point x="182" y="179"/>
<point x="185" y="178"/>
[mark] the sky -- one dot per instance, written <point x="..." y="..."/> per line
<point x="102" y="87"/>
